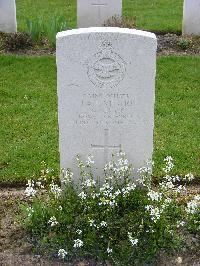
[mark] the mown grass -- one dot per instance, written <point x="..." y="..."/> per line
<point x="29" y="134"/>
<point x="33" y="9"/>
<point x="157" y="15"/>
<point x="177" y="120"/>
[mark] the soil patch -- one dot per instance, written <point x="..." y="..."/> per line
<point x="168" y="44"/>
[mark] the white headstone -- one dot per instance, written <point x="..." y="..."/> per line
<point x="93" y="13"/>
<point x="106" y="84"/>
<point x="8" y="21"/>
<point x="191" y="17"/>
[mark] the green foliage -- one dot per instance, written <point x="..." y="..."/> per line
<point x="117" y="220"/>
<point x="193" y="210"/>
<point x="40" y="28"/>
<point x="35" y="29"/>
<point x="184" y="44"/>
<point x="41" y="8"/>
<point x="120" y="22"/>
<point x="52" y="27"/>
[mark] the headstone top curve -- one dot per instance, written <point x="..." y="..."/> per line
<point x="105" y="30"/>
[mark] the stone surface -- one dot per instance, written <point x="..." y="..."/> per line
<point x="191" y="17"/>
<point x="93" y="13"/>
<point x="106" y="84"/>
<point x="8" y="21"/>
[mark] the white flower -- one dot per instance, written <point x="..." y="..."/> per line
<point x="82" y="195"/>
<point x="192" y="207"/>
<point x="80" y="163"/>
<point x="128" y="189"/>
<point x="180" y="188"/>
<point x="118" y="192"/>
<point x="189" y="177"/>
<point x="121" y="153"/>
<point x="169" y="164"/>
<point x="176" y="178"/>
<point x="168" y="200"/>
<point x="66" y="177"/>
<point x="113" y="203"/>
<point x="91" y="222"/>
<point x="78" y="243"/>
<point x="180" y="223"/>
<point x="133" y="241"/>
<point x="154" y="212"/>
<point x="90" y="160"/>
<point x="166" y="185"/>
<point x="109" y="250"/>
<point x="79" y="232"/>
<point x="30" y="191"/>
<point x="197" y="197"/>
<point x="62" y="253"/>
<point x="39" y="184"/>
<point x="89" y="183"/>
<point x="52" y="221"/>
<point x="30" y="211"/>
<point x="56" y="190"/>
<point x="60" y="208"/>
<point x="154" y="196"/>
<point x="108" y="166"/>
<point x="103" y="224"/>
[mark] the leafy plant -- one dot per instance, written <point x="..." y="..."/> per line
<point x="184" y="44"/>
<point x="40" y="28"/>
<point x="17" y="41"/>
<point x="193" y="212"/>
<point x="35" y="29"/>
<point x="120" y="219"/>
<point x="53" y="26"/>
<point x="121" y="22"/>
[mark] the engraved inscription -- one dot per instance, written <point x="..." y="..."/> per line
<point x="99" y="6"/>
<point x="106" y="68"/>
<point x="106" y="146"/>
<point x="104" y="109"/>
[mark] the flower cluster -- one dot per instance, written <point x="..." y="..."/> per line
<point x="194" y="205"/>
<point x="119" y="168"/>
<point x="56" y="190"/>
<point x="30" y="211"/>
<point x="155" y="212"/>
<point x="78" y="243"/>
<point x="66" y="176"/>
<point x="113" y="216"/>
<point x="133" y="241"/>
<point x="89" y="183"/>
<point x="154" y="196"/>
<point x="169" y="164"/>
<point x="30" y="190"/>
<point x="62" y="253"/>
<point x="52" y="221"/>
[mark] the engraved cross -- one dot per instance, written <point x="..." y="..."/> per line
<point x="99" y="6"/>
<point x="106" y="146"/>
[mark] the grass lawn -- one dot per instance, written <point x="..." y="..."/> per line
<point x="159" y="15"/>
<point x="29" y="134"/>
